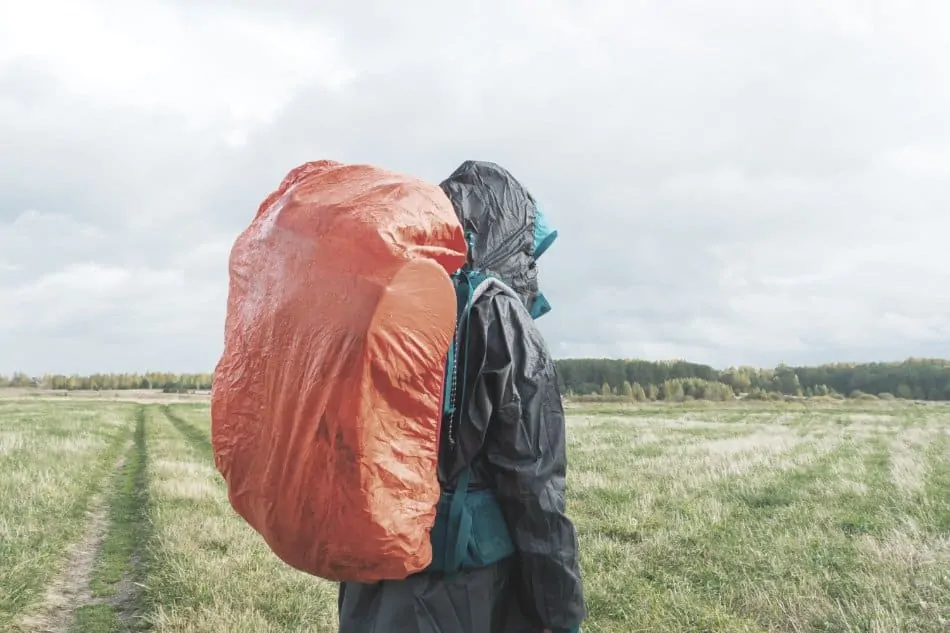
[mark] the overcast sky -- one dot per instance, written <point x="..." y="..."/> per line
<point x="739" y="181"/>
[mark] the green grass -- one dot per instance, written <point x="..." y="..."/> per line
<point x="54" y="459"/>
<point x="768" y="517"/>
<point x="100" y="618"/>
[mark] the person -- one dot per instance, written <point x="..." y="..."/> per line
<point x="509" y="438"/>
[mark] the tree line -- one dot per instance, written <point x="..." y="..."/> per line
<point x="165" y="381"/>
<point x="917" y="379"/>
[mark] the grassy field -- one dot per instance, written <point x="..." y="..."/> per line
<point x="718" y="518"/>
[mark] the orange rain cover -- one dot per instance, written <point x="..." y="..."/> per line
<point x="327" y="398"/>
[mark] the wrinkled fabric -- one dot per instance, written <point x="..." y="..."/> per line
<point x="511" y="432"/>
<point x="326" y="401"/>
<point x="499" y="212"/>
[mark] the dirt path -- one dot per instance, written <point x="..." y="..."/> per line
<point x="71" y="590"/>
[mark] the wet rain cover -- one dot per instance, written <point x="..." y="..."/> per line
<point x="326" y="401"/>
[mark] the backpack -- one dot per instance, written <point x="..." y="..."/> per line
<point x="329" y="393"/>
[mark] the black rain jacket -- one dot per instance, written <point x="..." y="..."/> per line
<point x="511" y="432"/>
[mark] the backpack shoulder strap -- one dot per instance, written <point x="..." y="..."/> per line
<point x="465" y="280"/>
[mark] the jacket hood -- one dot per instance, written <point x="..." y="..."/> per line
<point x="506" y="230"/>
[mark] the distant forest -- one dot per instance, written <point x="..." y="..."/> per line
<point x="913" y="379"/>
<point x="166" y="381"/>
<point x="636" y="380"/>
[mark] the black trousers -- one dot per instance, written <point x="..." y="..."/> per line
<point x="475" y="601"/>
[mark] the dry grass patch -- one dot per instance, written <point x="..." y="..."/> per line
<point x="908" y="470"/>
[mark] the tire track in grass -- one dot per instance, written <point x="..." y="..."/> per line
<point x="198" y="440"/>
<point x="638" y="509"/>
<point x="114" y="601"/>
<point x="676" y="580"/>
<point x="937" y="487"/>
<point x="211" y="571"/>
<point x="71" y="589"/>
<point x="789" y="555"/>
<point x="37" y="538"/>
<point x="926" y="553"/>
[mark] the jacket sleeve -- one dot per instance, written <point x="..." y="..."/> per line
<point x="527" y="454"/>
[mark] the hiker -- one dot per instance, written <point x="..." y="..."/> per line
<point x="506" y="437"/>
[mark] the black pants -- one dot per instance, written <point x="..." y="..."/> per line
<point x="476" y="601"/>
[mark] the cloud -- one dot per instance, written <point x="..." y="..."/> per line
<point x="733" y="182"/>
